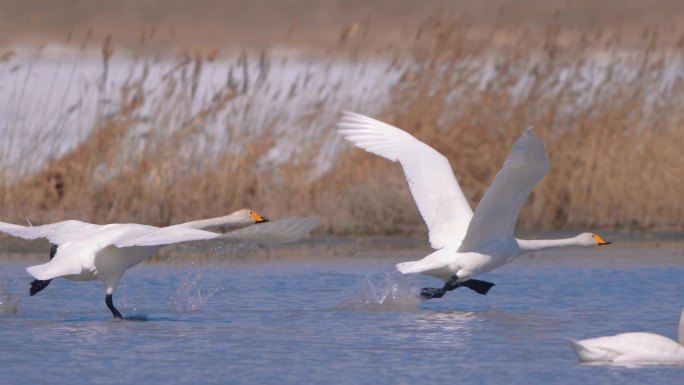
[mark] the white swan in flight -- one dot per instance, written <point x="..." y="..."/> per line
<point x="632" y="348"/>
<point x="468" y="244"/>
<point x="84" y="251"/>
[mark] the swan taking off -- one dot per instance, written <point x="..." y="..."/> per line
<point x="84" y="251"/>
<point x="467" y="244"/>
<point x="632" y="348"/>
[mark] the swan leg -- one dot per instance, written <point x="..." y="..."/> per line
<point x="433" y="292"/>
<point x="110" y="305"/>
<point x="37" y="285"/>
<point x="453" y="284"/>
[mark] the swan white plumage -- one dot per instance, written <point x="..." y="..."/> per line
<point x="84" y="251"/>
<point x="468" y="244"/>
<point x="632" y="348"/>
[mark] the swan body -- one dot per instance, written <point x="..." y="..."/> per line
<point x="449" y="261"/>
<point x="468" y="243"/>
<point x="632" y="348"/>
<point x="84" y="251"/>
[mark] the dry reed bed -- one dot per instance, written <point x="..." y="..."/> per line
<point x="613" y="130"/>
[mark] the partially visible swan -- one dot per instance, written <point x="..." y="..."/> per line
<point x="632" y="348"/>
<point x="84" y="251"/>
<point x="468" y="244"/>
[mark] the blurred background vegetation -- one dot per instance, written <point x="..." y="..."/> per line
<point x="165" y="111"/>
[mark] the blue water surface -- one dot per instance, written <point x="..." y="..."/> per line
<point x="337" y="321"/>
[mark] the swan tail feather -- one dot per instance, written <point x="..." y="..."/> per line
<point x="408" y="267"/>
<point x="586" y="353"/>
<point x="40" y="272"/>
<point x="577" y="347"/>
<point x="481" y="287"/>
<point x="427" y="265"/>
<point x="53" y="269"/>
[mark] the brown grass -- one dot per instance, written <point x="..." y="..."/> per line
<point x="616" y="161"/>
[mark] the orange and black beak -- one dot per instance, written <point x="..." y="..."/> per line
<point x="258" y="218"/>
<point x="601" y="241"/>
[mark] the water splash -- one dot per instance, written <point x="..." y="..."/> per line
<point x="9" y="302"/>
<point x="193" y="293"/>
<point x="387" y="292"/>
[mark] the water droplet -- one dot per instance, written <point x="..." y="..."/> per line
<point x="387" y="292"/>
<point x="193" y="293"/>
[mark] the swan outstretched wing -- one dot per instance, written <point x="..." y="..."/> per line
<point x="281" y="231"/>
<point x="56" y="233"/>
<point x="497" y="212"/>
<point x="431" y="180"/>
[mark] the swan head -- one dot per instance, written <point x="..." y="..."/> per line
<point x="242" y="217"/>
<point x="591" y="239"/>
<point x="239" y="218"/>
<point x="252" y="216"/>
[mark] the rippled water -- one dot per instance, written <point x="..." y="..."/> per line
<point x="336" y="321"/>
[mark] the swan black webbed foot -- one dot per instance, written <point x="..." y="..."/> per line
<point x="37" y="285"/>
<point x="481" y="287"/>
<point x="431" y="292"/>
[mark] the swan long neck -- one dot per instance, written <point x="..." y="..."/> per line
<point x="530" y="245"/>
<point x="231" y="220"/>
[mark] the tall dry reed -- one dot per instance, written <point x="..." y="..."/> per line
<point x="610" y="120"/>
